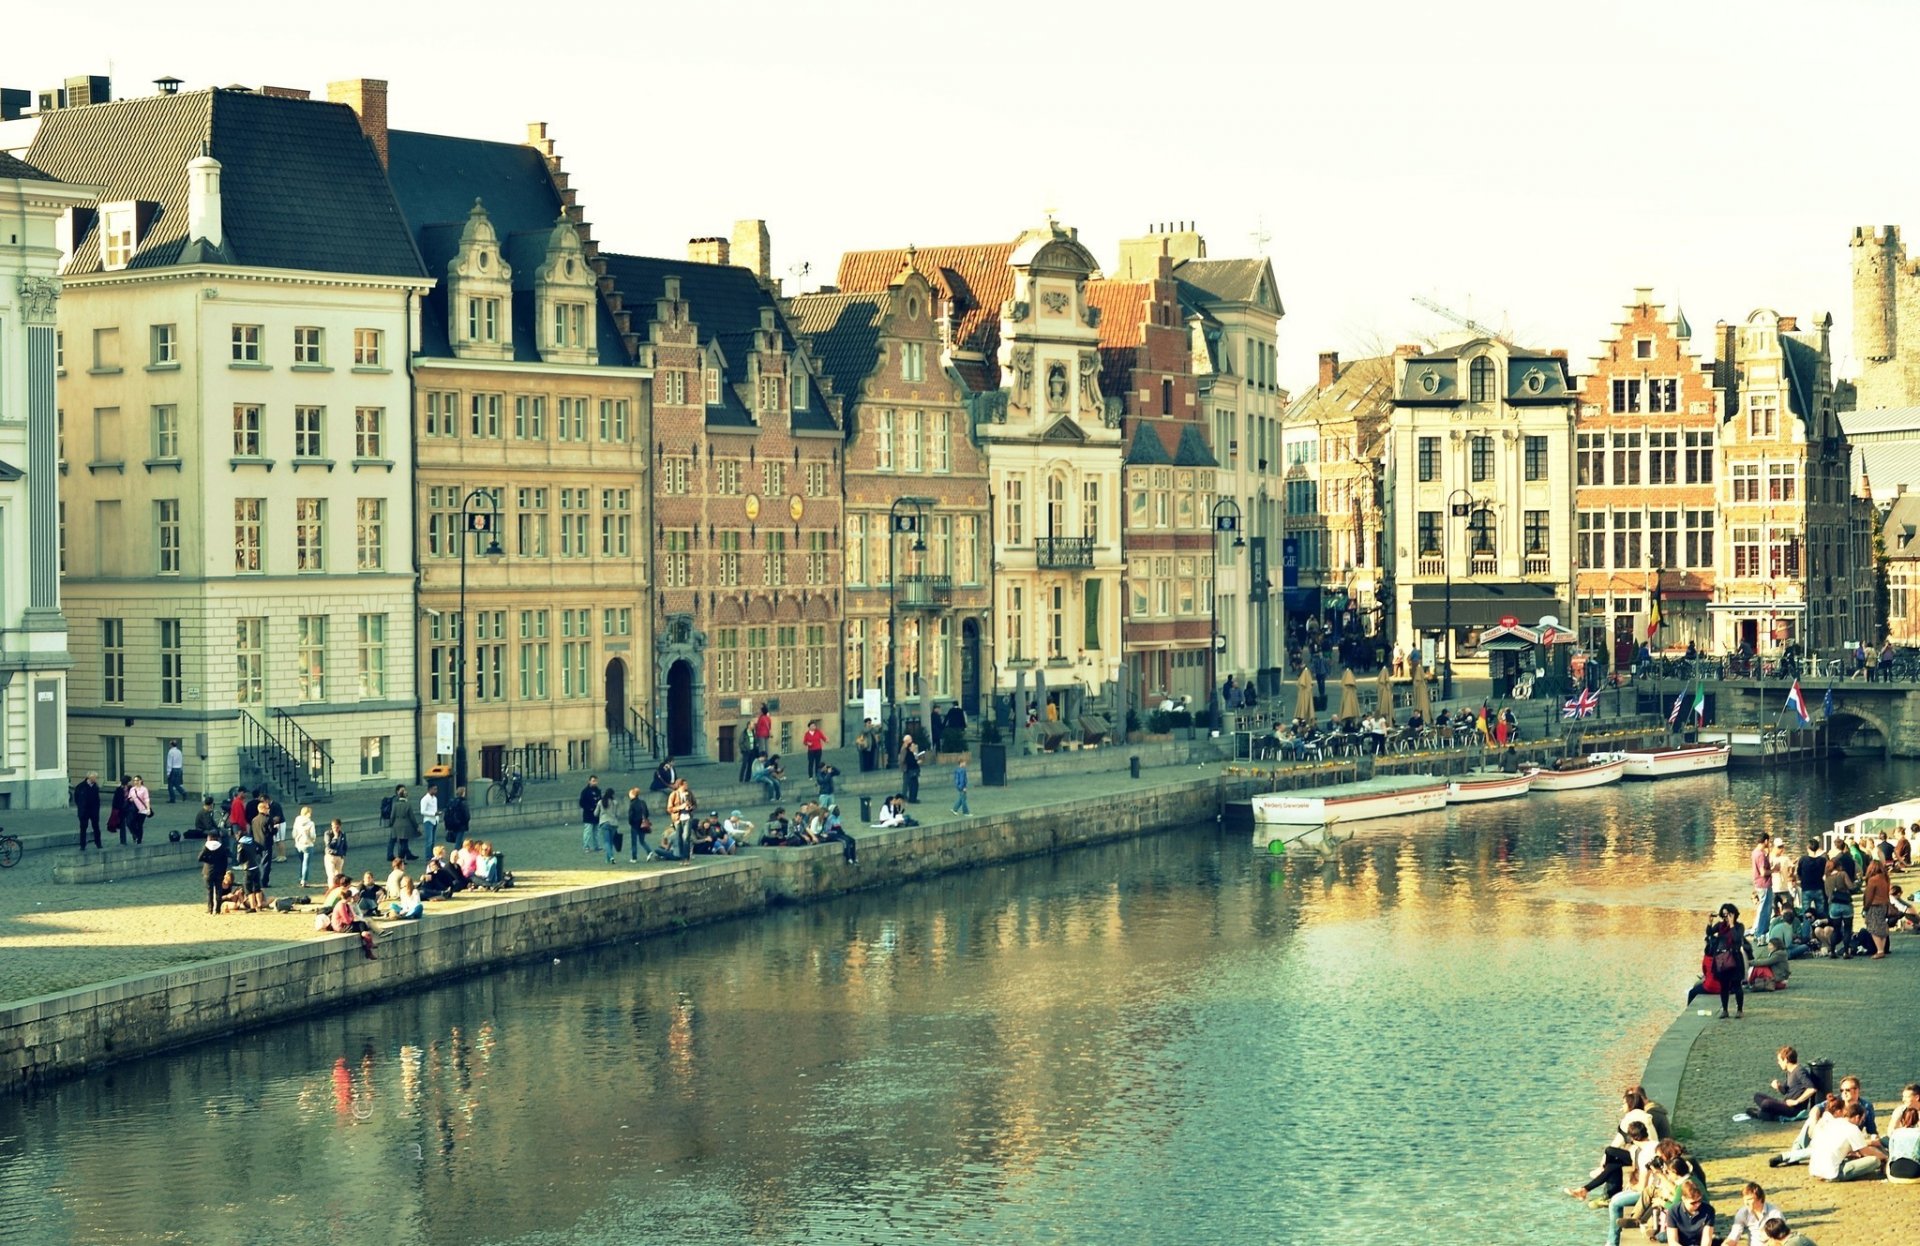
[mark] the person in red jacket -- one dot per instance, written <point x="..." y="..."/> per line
<point x="815" y="741"/>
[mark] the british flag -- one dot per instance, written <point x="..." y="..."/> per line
<point x="1581" y="704"/>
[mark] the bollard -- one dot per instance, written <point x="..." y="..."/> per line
<point x="866" y="809"/>
<point x="1133" y="766"/>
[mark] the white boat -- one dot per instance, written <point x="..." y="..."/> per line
<point x="1594" y="771"/>
<point x="1305" y="817"/>
<point x="1666" y="763"/>
<point x="1868" y="827"/>
<point x="1489" y="785"/>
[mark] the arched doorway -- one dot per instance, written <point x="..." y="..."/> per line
<point x="616" y="684"/>
<point x="680" y="724"/>
<point x="970" y="667"/>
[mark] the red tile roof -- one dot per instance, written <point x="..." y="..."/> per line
<point x="973" y="279"/>
<point x="1123" y="317"/>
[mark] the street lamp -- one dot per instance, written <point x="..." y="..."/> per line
<point x="906" y="515"/>
<point x="1455" y="510"/>
<point x="1226" y="518"/>
<point x="479" y="516"/>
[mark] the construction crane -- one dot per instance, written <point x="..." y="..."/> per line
<point x="1464" y="322"/>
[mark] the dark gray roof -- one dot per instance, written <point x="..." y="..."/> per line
<point x="436" y="178"/>
<point x="1226" y="281"/>
<point x="1802" y="364"/>
<point x="301" y="188"/>
<point x="14" y="167"/>
<point x="843" y="332"/>
<point x="725" y="302"/>
<point x="1147" y="448"/>
<point x="1193" y="451"/>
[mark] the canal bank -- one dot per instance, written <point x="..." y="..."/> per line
<point x="66" y="1033"/>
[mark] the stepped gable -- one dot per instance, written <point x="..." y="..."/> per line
<point x="301" y="187"/>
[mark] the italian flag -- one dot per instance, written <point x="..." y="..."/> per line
<point x="1700" y="702"/>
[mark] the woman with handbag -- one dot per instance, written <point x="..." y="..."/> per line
<point x="1730" y="960"/>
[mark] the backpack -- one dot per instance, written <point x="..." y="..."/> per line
<point x="386" y="809"/>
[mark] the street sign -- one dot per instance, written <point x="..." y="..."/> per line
<point x="443" y="733"/>
<point x="1226" y="523"/>
<point x="1507" y="620"/>
<point x="1257" y="569"/>
<point x="1462" y="509"/>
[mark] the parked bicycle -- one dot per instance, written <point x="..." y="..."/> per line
<point x="9" y="850"/>
<point x="507" y="789"/>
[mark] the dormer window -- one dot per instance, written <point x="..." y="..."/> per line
<point x="570" y="324"/>
<point x="712" y="384"/>
<point x="479" y="291"/>
<point x="118" y="235"/>
<point x="564" y="294"/>
<point x="799" y="391"/>
<point x="483" y="317"/>
<point x="1480" y="380"/>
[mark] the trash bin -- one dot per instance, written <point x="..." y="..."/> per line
<point x="866" y="810"/>
<point x="1133" y="766"/>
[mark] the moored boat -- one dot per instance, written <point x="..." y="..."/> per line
<point x="1667" y="763"/>
<point x="1595" y="770"/>
<point x="1305" y="816"/>
<point x="1489" y="785"/>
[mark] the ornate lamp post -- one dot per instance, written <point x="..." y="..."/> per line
<point x="1226" y="518"/>
<point x="1456" y="509"/>
<point x="906" y="515"/>
<point x="479" y="517"/>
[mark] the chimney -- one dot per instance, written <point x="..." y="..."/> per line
<point x="1789" y="323"/>
<point x="368" y="99"/>
<point x="14" y="102"/>
<point x="1329" y="367"/>
<point x="168" y="85"/>
<point x="285" y="93"/>
<point x="203" y="198"/>
<point x="754" y="249"/>
<point x="1408" y="351"/>
<point x="708" y="251"/>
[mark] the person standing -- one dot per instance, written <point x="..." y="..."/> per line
<point x="607" y="818"/>
<point x="176" y="773"/>
<point x="430" y="813"/>
<point x="304" y="840"/>
<point x="403" y="825"/>
<point x="336" y="844"/>
<point x="680" y="809"/>
<point x="747" y="751"/>
<point x="261" y="829"/>
<point x="1875" y="893"/>
<point x="960" y="788"/>
<point x="139" y="808"/>
<point x="215" y="861"/>
<point x="763" y="732"/>
<point x="639" y="825"/>
<point x="1762" y="860"/>
<point x="457" y="816"/>
<point x="117" y="813"/>
<point x="589" y="803"/>
<point x="86" y="807"/>
<point x="815" y="742"/>
<point x="863" y="744"/>
<point x="910" y="768"/>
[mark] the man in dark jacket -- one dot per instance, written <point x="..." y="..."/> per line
<point x="215" y="861"/>
<point x="86" y="805"/>
<point x="456" y="817"/>
<point x="590" y="815"/>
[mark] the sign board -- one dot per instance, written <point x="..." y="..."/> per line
<point x="1226" y="523"/>
<point x="1460" y="510"/>
<point x="1507" y="620"/>
<point x="443" y="733"/>
<point x="871" y="705"/>
<point x="1257" y="582"/>
<point x="1290" y="562"/>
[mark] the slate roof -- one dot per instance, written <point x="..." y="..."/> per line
<point x="1885" y="465"/>
<point x="1193" y="451"/>
<point x="1362" y="390"/>
<point x="1226" y="281"/>
<point x="436" y="178"/>
<point x="1902" y="527"/>
<point x="974" y="280"/>
<point x="1147" y="448"/>
<point x="843" y="332"/>
<point x="12" y="167"/>
<point x="301" y="188"/>
<point x="1802" y="365"/>
<point x="724" y="302"/>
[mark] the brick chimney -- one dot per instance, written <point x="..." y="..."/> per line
<point x="1408" y="351"/>
<point x="1789" y="324"/>
<point x="709" y="251"/>
<point x="1329" y="367"/>
<point x="368" y="99"/>
<point x="754" y="247"/>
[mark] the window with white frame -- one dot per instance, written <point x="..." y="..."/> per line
<point x="616" y="522"/>
<point x="308" y="422"/>
<point x="248" y="540"/>
<point x="173" y="659"/>
<point x="113" y="661"/>
<point x="246" y="430"/>
<point x="484" y="412"/>
<point x="530" y="417"/>
<point x="913" y="361"/>
<point x="310" y="657"/>
<point x="676" y="474"/>
<point x="309" y="534"/>
<point x="370" y="533"/>
<point x="372" y="645"/>
<point x="250" y="654"/>
<point x="166" y="532"/>
<point x="246" y="343"/>
<point x="308" y="341"/>
<point x="163" y="345"/>
<point x="166" y="431"/>
<point x="366" y="348"/>
<point x="530" y="523"/>
<point x="883" y="442"/>
<point x="369" y="424"/>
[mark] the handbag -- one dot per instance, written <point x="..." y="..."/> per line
<point x="619" y="840"/>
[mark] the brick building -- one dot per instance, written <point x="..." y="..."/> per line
<point x="916" y="547"/>
<point x="1645" y="442"/>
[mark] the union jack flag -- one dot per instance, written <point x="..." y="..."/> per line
<point x="1581" y="704"/>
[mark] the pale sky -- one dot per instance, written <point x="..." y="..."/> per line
<point x="1525" y="162"/>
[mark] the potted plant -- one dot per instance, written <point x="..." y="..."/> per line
<point x="993" y="755"/>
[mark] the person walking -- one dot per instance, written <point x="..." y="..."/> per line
<point x="589" y="803"/>
<point x="960" y="788"/>
<point x="403" y="825"/>
<point x="815" y="742"/>
<point x="139" y="809"/>
<point x="215" y="861"/>
<point x="86" y="807"/>
<point x="305" y="839"/>
<point x="176" y="773"/>
<point x="639" y="826"/>
<point x="607" y="821"/>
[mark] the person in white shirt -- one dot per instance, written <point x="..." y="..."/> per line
<point x="305" y="837"/>
<point x="430" y="814"/>
<point x="176" y="773"/>
<point x="1749" y="1223"/>
<point x="1842" y="1151"/>
<point x="1903" y="1139"/>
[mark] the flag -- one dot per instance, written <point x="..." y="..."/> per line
<point x="1798" y="703"/>
<point x="1826" y="706"/>
<point x="1486" y="728"/>
<point x="1589" y="702"/>
<point x="1700" y="701"/>
<point x="1653" y="619"/>
<point x="1571" y="708"/>
<point x="1673" y="716"/>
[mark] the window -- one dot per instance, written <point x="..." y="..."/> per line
<point x="574" y="504"/>
<point x="1663" y="395"/>
<point x="163" y="345"/>
<point x="1626" y="541"/>
<point x="310" y="657"/>
<point x="1538" y="531"/>
<point x="1627" y="396"/>
<point x="1482" y="458"/>
<point x="1783" y="482"/>
<point x="1015" y="511"/>
<point x="247" y="539"/>
<point x="113" y="661"/>
<point x="1090" y="508"/>
<point x="727" y="477"/>
<point x="1480" y="380"/>
<point x="966" y="549"/>
<point x="774" y="472"/>
<point x="614" y="413"/>
<point x="816" y="479"/>
<point x="571" y="419"/>
<point x="489" y="655"/>
<point x="533" y="655"/>
<point x="1626" y="458"/>
<point x="1429" y="533"/>
<point x="883" y="443"/>
<point x="786" y="645"/>
<point x="677" y="569"/>
<point x="1590" y="459"/>
<point x="483" y="320"/>
<point x="373" y="755"/>
<point x="307" y="425"/>
<point x="1783" y="554"/>
<point x="912" y="444"/>
<point x="1536" y="450"/>
<point x="1429" y="459"/>
<point x="1643" y="348"/>
<point x="616" y="522"/>
<point x="166" y="432"/>
<point x="1057" y="622"/>
<point x="1763" y="416"/>
<point x="673" y="389"/>
<point x="816" y="558"/>
<point x="530" y="417"/>
<point x="913" y="361"/>
<point x="443" y="414"/>
<point x="774" y="566"/>
<point x="756" y="657"/>
<point x="814" y="657"/>
<point x="372" y="645"/>
<point x="1746" y="481"/>
<point x="366" y="348"/>
<point x="116" y="237"/>
<point x="246" y="343"/>
<point x="940" y="444"/>
<point x="307" y="340"/>
<point x="484" y="415"/>
<point x="530" y="523"/>
<point x="1700" y="532"/>
<point x="1746" y="552"/>
<point x="676" y="473"/>
<point x="250" y="650"/>
<point x="856" y="551"/>
<point x="726" y="659"/>
<point x="173" y="677"/>
<point x="370" y="533"/>
<point x="570" y="325"/>
<point x="1590" y="539"/>
<point x="166" y="528"/>
<point x="615" y="621"/>
<point x="1663" y="538"/>
<point x="1481" y="533"/>
<point x="1663" y="458"/>
<point x="368" y="423"/>
<point x="1700" y="458"/>
<point x="855" y="666"/>
<point x="246" y="431"/>
<point x="309" y="534"/>
<point x="1016" y="623"/>
<point x="727" y="570"/>
<point x="710" y="383"/>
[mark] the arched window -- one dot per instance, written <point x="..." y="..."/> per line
<point x="1480" y="385"/>
<point x="1480" y="531"/>
<point x="1057" y="504"/>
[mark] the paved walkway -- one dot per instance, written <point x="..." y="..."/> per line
<point x="1857" y="1013"/>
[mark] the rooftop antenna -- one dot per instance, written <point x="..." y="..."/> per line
<point x="1465" y="322"/>
<point x="1260" y="236"/>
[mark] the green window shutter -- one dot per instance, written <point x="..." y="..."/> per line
<point x="1093" y="614"/>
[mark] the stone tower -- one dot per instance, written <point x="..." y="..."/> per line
<point x="1886" y="319"/>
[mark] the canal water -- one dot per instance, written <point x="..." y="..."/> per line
<point x="1169" y="1038"/>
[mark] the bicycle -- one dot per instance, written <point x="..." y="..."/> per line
<point x="507" y="789"/>
<point x="9" y="850"/>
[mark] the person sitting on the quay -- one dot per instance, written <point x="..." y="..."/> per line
<point x="1794" y="1092"/>
<point x="1901" y="911"/>
<point x="1842" y="1149"/>
<point x="396" y="876"/>
<point x="488" y="873"/>
<point x="894" y="812"/>
<point x="767" y="773"/>
<point x="440" y="879"/>
<point x="1839" y="887"/>
<point x="1749" y="1221"/>
<point x="737" y="829"/>
<point x="773" y="832"/>
<point x="233" y="897"/>
<point x="836" y="831"/>
<point x="368" y="895"/>
<point x="350" y="917"/>
<point x="664" y="777"/>
<point x="1903" y="1138"/>
<point x="341" y="889"/>
<point x="1617" y="1163"/>
<point x="409" y="904"/>
<point x="1690" y="1218"/>
<point x="1770" y="969"/>
<point x="1801" y="1150"/>
<point x="1652" y="1188"/>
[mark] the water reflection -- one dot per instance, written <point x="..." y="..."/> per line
<point x="1172" y="1037"/>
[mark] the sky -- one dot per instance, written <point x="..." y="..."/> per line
<point x="1526" y="163"/>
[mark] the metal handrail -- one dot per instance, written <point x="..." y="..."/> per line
<point x="312" y="761"/>
<point x="643" y="729"/>
<point x="1063" y="551"/>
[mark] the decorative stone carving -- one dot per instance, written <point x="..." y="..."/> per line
<point x="1055" y="301"/>
<point x="1090" y="401"/>
<point x="1017" y="310"/>
<point x="1116" y="410"/>
<point x="1057" y="387"/>
<point x="38" y="297"/>
<point x="1022" y="359"/>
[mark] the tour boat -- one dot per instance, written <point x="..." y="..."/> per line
<point x="1291" y="817"/>
<point x="1489" y="785"/>
<point x="1666" y="763"/>
<point x="1868" y="827"/>
<point x="1594" y="771"/>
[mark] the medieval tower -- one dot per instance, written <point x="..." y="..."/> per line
<point x="1886" y="319"/>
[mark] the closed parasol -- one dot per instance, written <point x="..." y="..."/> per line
<point x="1303" y="703"/>
<point x="1422" y="700"/>
<point x="1384" y="684"/>
<point x="1349" y="697"/>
